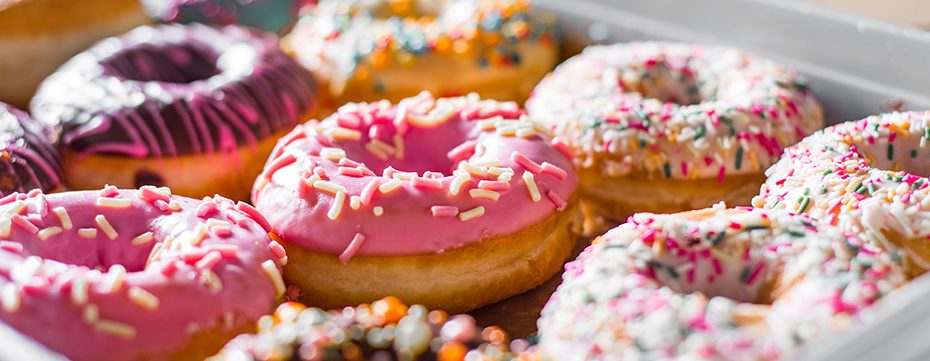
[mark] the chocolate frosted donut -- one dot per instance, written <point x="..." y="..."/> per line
<point x="192" y="107"/>
<point x="27" y="158"/>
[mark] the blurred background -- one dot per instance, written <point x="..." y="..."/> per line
<point x="911" y="12"/>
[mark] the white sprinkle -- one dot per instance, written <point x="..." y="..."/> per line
<point x="333" y="154"/>
<point x="341" y="133"/>
<point x="403" y="175"/>
<point x="378" y="211"/>
<point x="272" y="271"/>
<point x="376" y="151"/>
<point x="328" y="186"/>
<point x="386" y="148"/>
<point x="114" y="202"/>
<point x="336" y="208"/>
<point x="525" y="133"/>
<point x="87" y="233"/>
<point x="174" y="206"/>
<point x="530" y="181"/>
<point x="355" y="202"/>
<point x="456" y="186"/>
<point x="10" y="298"/>
<point x="91" y="314"/>
<point x="211" y="280"/>
<point x="398" y="146"/>
<point x="471" y="214"/>
<point x="63" y="217"/>
<point x="16" y="207"/>
<point x="143" y="298"/>
<point x="79" y="290"/>
<point x="143" y="238"/>
<point x="156" y="251"/>
<point x="117" y="329"/>
<point x="6" y="226"/>
<point x="484" y="193"/>
<point x="473" y="169"/>
<point x="196" y="236"/>
<point x="115" y="277"/>
<point x="389" y="186"/>
<point x="106" y="227"/>
<point x="47" y="233"/>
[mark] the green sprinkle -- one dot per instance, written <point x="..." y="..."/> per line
<point x="897" y="178"/>
<point x="672" y="272"/>
<point x="871" y="188"/>
<point x="830" y="148"/>
<point x="693" y="89"/>
<point x="776" y="202"/>
<point x="828" y="171"/>
<point x="719" y="238"/>
<point x="850" y="246"/>
<point x="823" y="189"/>
<point x="805" y="201"/>
<point x="890" y="151"/>
<point x="795" y="234"/>
<point x="857" y="187"/>
<point x="861" y="190"/>
<point x="927" y="133"/>
<point x="739" y="158"/>
<point x="801" y="84"/>
<point x="806" y="191"/>
<point x="914" y="153"/>
<point x="755" y="227"/>
<point x="667" y="168"/>
<point x="729" y="123"/>
<point x="744" y="274"/>
<point x="701" y="129"/>
<point x="918" y="183"/>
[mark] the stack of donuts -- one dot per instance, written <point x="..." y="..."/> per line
<point x="284" y="178"/>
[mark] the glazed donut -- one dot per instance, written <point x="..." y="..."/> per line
<point x="385" y="330"/>
<point x="271" y="15"/>
<point x="713" y="284"/>
<point x="27" y="158"/>
<point x="372" y="50"/>
<point x="192" y="107"/>
<point x="134" y="274"/>
<point x="453" y="203"/>
<point x="40" y="35"/>
<point x="666" y="127"/>
<point x="868" y="177"/>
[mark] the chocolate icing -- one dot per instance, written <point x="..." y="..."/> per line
<point x="27" y="158"/>
<point x="174" y="90"/>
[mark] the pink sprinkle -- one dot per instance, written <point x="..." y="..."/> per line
<point x="161" y="205"/>
<point x="525" y="162"/>
<point x="346" y="162"/>
<point x="755" y="273"/>
<point x="563" y="148"/>
<point x="437" y="175"/>
<point x="555" y="171"/>
<point x="21" y="221"/>
<point x="168" y="268"/>
<point x="910" y="179"/>
<point x="225" y="250"/>
<point x="252" y="212"/>
<point x="277" y="250"/>
<point x="278" y="164"/>
<point x="209" y="260"/>
<point x="151" y="195"/>
<point x="723" y="171"/>
<point x="684" y="168"/>
<point x="194" y="255"/>
<point x="718" y="268"/>
<point x="11" y="246"/>
<point x="36" y="285"/>
<point x="290" y="138"/>
<point x="348" y="120"/>
<point x="444" y="211"/>
<point x="649" y="237"/>
<point x="735" y="225"/>
<point x="108" y="191"/>
<point x="350" y="172"/>
<point x="426" y="183"/>
<point x="8" y="198"/>
<point x="222" y="232"/>
<point x="205" y="209"/>
<point x="353" y="247"/>
<point x="369" y="191"/>
<point x="462" y="151"/>
<point x="389" y="172"/>
<point x="560" y="204"/>
<point x="320" y="172"/>
<point x="494" y="185"/>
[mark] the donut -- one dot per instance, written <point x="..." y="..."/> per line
<point x="134" y="274"/>
<point x="453" y="203"/>
<point x="28" y="160"/>
<point x="270" y="15"/>
<point x="867" y="177"/>
<point x="193" y="107"/>
<point x="667" y="127"/>
<point x="40" y="35"/>
<point x="713" y="284"/>
<point x="385" y="330"/>
<point x="385" y="49"/>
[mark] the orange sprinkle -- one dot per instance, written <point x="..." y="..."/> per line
<point x="388" y="310"/>
<point x="452" y="351"/>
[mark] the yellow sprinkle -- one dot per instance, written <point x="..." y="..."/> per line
<point x="79" y="291"/>
<point x="336" y="208"/>
<point x="10" y="298"/>
<point x="311" y="181"/>
<point x="389" y="186"/>
<point x="144" y="238"/>
<point x="16" y="207"/>
<point x="211" y="280"/>
<point x="272" y="271"/>
<point x="456" y="186"/>
<point x="6" y="226"/>
<point x="378" y="211"/>
<point x="87" y="233"/>
<point x="403" y="175"/>
<point x="63" y="217"/>
<point x="507" y="130"/>
<point x="174" y="206"/>
<point x="530" y="181"/>
<point x="355" y="202"/>
<point x="117" y="329"/>
<point x="471" y="214"/>
<point x="377" y="152"/>
<point x="484" y="193"/>
<point x="143" y="298"/>
<point x="91" y="314"/>
<point x="473" y="170"/>
<point x="387" y="148"/>
<point x="328" y="186"/>
<point x="113" y="202"/>
<point x="341" y="133"/>
<point x="398" y="146"/>
<point x="156" y="251"/>
<point x="115" y="277"/>
<point x="333" y="154"/>
<point x="47" y="233"/>
<point x="658" y="247"/>
<point x="526" y="132"/>
<point x="197" y="235"/>
<point x="487" y="124"/>
<point x="106" y="227"/>
<point x="542" y="129"/>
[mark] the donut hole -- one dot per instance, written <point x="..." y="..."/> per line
<point x="164" y="63"/>
<point x="663" y="80"/>
<point x="71" y="249"/>
<point x="425" y="148"/>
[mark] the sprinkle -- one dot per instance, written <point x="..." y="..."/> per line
<point x="143" y="298"/>
<point x="330" y="187"/>
<point x="195" y="236"/>
<point x="739" y="158"/>
<point x="151" y="194"/>
<point x="18" y="247"/>
<point x="457" y="182"/>
<point x="212" y="281"/>
<point x="462" y="151"/>
<point x="444" y="211"/>
<point x="471" y="214"/>
<point x="333" y="154"/>
<point x="378" y="211"/>
<point x="79" y="291"/>
<point x="117" y="329"/>
<point x="225" y="250"/>
<point x="47" y="233"/>
<point x="16" y="207"/>
<point x="340" y="133"/>
<point x="386" y="148"/>
<point x="63" y="217"/>
<point x="114" y="202"/>
<point x="472" y="169"/>
<point x="494" y="185"/>
<point x="24" y="223"/>
<point x="88" y="233"/>
<point x="352" y="248"/>
<point x="426" y="183"/>
<point x="91" y="314"/>
<point x="398" y="146"/>
<point x="484" y="193"/>
<point x="254" y="214"/>
<point x="106" y="227"/>
<point x="369" y="191"/>
<point x="891" y="151"/>
<point x="6" y="226"/>
<point x="389" y="186"/>
<point x="115" y="277"/>
<point x="560" y="204"/>
<point x="10" y="298"/>
<point x="525" y="162"/>
<point x="350" y="172"/>
<point x="209" y="260"/>
<point x="109" y="191"/>
<point x="272" y="271"/>
<point x="355" y="202"/>
<point x="278" y="251"/>
<point x="553" y="170"/>
<point x="376" y="151"/>
<point x="336" y="208"/>
<point x="530" y="182"/>
<point x="143" y="238"/>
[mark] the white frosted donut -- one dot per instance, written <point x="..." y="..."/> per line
<point x="736" y="284"/>
<point x="666" y="127"/>
<point x="866" y="176"/>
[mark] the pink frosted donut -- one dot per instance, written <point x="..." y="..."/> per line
<point x="453" y="202"/>
<point x="134" y="274"/>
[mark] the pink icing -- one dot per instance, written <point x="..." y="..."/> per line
<point x="198" y="284"/>
<point x="421" y="215"/>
